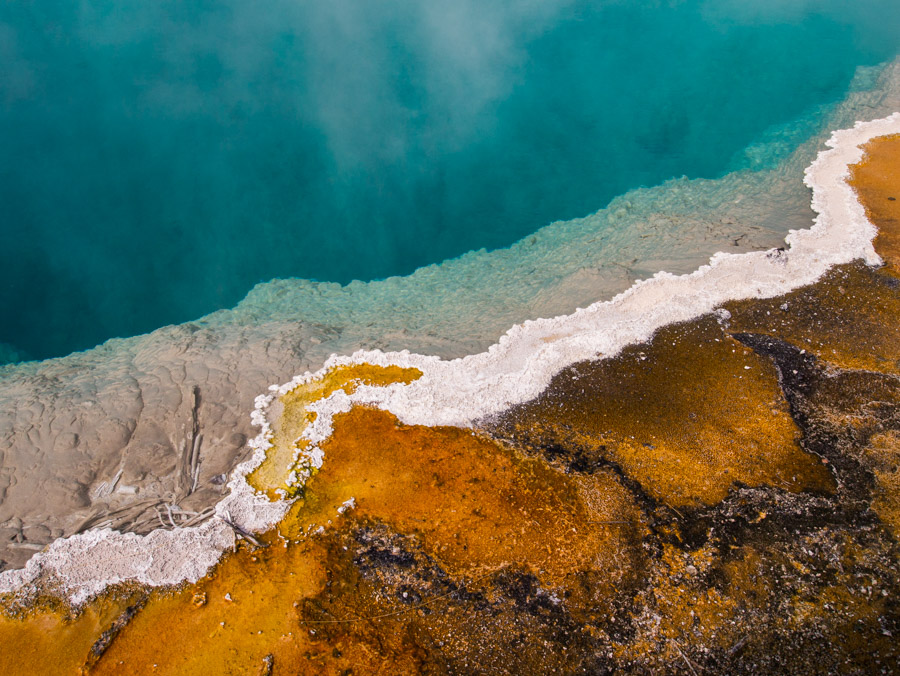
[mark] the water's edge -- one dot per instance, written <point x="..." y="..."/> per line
<point x="102" y="438"/>
<point x="460" y="391"/>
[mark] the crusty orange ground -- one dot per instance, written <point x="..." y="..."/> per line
<point x="877" y="182"/>
<point x="687" y="415"/>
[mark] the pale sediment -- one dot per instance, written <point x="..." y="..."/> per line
<point x="461" y="391"/>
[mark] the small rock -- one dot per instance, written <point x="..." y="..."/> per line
<point x="39" y="533"/>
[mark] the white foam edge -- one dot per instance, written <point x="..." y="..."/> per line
<point x="460" y="391"/>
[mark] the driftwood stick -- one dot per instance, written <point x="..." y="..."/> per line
<point x="96" y="513"/>
<point x="137" y="524"/>
<point x="114" y="482"/>
<point x="182" y="478"/>
<point x="195" y="463"/>
<point x="31" y="546"/>
<point x="159" y="516"/>
<point x="199" y="518"/>
<point x="240" y="531"/>
<point x="190" y="448"/>
<point x="196" y="438"/>
<point x="132" y="511"/>
<point x="144" y="524"/>
<point x="688" y="662"/>
<point x="107" y="637"/>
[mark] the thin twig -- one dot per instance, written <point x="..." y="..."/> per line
<point x="240" y="531"/>
<point x="195" y="463"/>
<point x="112" y="484"/>
<point x="202" y="516"/>
<point x="684" y="657"/>
<point x="737" y="646"/>
<point x="196" y="478"/>
<point x="171" y="518"/>
<point x="139" y="523"/>
<point x="196" y="438"/>
<point x="107" y="637"/>
<point x="159" y="515"/>
<point x="117" y="514"/>
<point x="33" y="546"/>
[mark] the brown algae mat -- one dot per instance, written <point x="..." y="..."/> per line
<point x="724" y="498"/>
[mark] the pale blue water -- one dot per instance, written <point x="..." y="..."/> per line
<point x="159" y="158"/>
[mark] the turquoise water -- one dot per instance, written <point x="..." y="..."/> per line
<point x="158" y="159"/>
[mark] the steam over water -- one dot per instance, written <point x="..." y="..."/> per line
<point x="158" y="159"/>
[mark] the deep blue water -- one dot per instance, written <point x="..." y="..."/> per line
<point x="159" y="158"/>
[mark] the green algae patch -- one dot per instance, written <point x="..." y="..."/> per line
<point x="285" y="466"/>
<point x="686" y="416"/>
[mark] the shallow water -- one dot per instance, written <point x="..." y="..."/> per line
<point x="158" y="160"/>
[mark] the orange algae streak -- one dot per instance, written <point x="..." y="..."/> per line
<point x="475" y="505"/>
<point x="281" y="459"/>
<point x="687" y="416"/>
<point x="48" y="640"/>
<point x="877" y="183"/>
<point x="462" y="504"/>
<point x="229" y="622"/>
